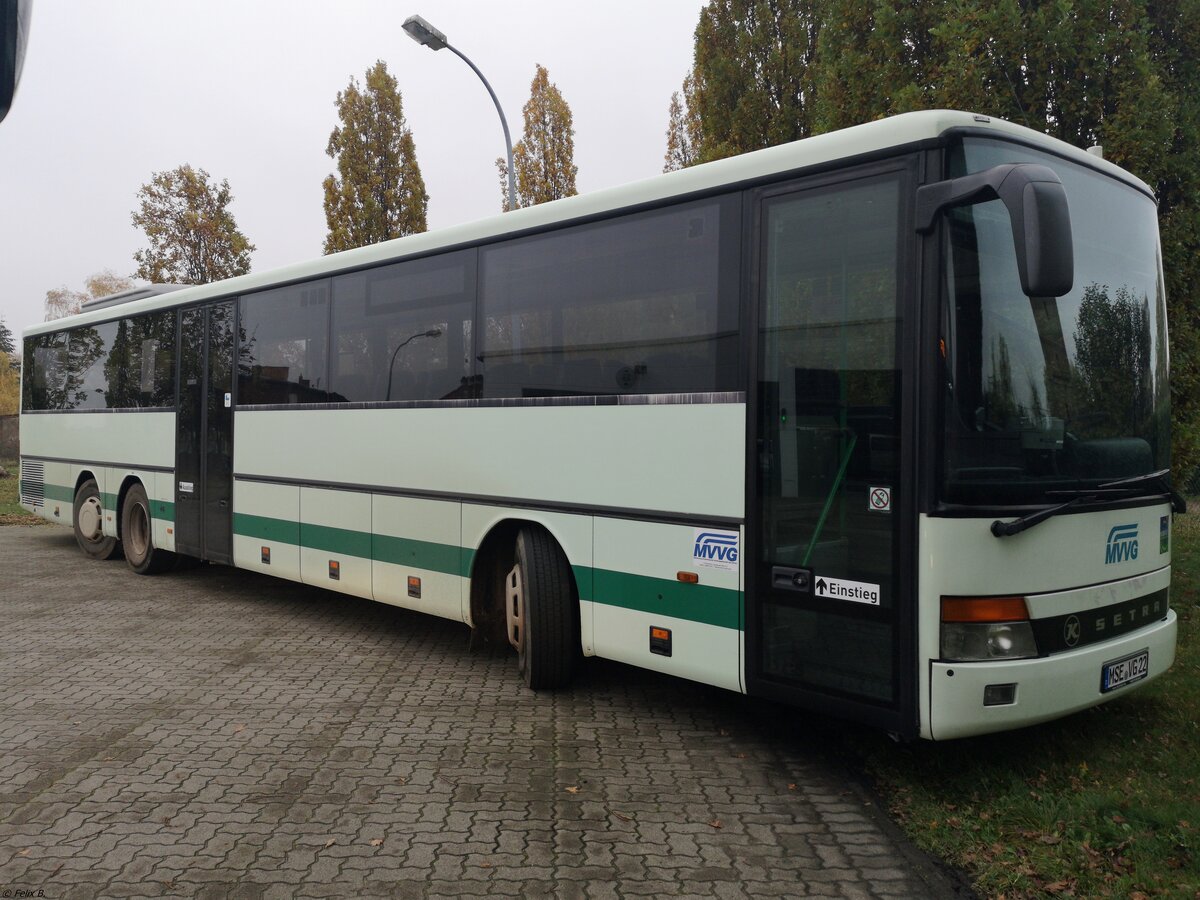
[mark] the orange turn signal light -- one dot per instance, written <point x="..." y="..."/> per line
<point x="984" y="609"/>
<point x="687" y="577"/>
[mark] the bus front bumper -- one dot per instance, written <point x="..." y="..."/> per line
<point x="1046" y="688"/>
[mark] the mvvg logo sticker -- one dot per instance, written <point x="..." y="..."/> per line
<point x="1122" y="544"/>
<point x="716" y="550"/>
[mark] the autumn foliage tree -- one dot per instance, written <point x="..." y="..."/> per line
<point x="683" y="128"/>
<point x="62" y="301"/>
<point x="10" y="372"/>
<point x="10" y="385"/>
<point x="753" y="78"/>
<point x="193" y="236"/>
<point x="544" y="157"/>
<point x="378" y="193"/>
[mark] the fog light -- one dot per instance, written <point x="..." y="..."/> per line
<point x="999" y="695"/>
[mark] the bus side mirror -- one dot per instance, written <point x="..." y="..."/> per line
<point x="1037" y="206"/>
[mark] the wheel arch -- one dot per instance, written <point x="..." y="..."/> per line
<point x="126" y="483"/>
<point x="491" y="562"/>
<point x="84" y="475"/>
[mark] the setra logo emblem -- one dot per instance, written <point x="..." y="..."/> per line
<point x="1122" y="544"/>
<point x="1071" y="630"/>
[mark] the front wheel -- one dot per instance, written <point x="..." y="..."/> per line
<point x="542" y="611"/>
<point x="138" y="536"/>
<point x="87" y="520"/>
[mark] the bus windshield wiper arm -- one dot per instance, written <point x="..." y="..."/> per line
<point x="1016" y="526"/>
<point x="1160" y="478"/>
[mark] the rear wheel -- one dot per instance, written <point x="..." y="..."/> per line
<point x="138" y="535"/>
<point x="541" y="610"/>
<point x="87" y="520"/>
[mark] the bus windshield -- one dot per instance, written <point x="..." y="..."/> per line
<point x="1047" y="394"/>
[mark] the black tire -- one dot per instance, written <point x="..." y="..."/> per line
<point x="87" y="520"/>
<point x="547" y="637"/>
<point x="137" y="535"/>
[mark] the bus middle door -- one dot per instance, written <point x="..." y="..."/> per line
<point x="204" y="433"/>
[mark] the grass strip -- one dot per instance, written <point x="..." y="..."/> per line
<point x="1105" y="803"/>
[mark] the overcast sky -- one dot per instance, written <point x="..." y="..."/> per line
<point x="114" y="90"/>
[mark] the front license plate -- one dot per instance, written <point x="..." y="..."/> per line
<point x="1125" y="671"/>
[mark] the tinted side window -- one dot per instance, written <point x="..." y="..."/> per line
<point x="283" y="340"/>
<point x="403" y="332"/>
<point x="88" y="350"/>
<point x="642" y="304"/>
<point x="154" y="344"/>
<point x="141" y="363"/>
<point x="45" y="372"/>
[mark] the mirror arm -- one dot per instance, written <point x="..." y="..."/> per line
<point x="932" y="199"/>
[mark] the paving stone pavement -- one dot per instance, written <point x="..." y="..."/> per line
<point x="214" y="733"/>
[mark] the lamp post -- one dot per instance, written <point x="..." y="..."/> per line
<point x="431" y="333"/>
<point x="424" y="33"/>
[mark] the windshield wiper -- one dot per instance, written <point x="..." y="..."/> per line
<point x="1016" y="526"/>
<point x="1124" y="486"/>
<point x="1162" y="478"/>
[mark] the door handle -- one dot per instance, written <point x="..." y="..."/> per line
<point x="789" y="578"/>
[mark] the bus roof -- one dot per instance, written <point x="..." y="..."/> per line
<point x="870" y="138"/>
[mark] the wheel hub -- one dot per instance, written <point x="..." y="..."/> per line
<point x="139" y="530"/>
<point x="91" y="518"/>
<point x="514" y="606"/>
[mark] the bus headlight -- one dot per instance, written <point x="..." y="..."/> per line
<point x="983" y="628"/>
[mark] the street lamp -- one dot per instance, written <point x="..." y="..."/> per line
<point x="431" y="333"/>
<point x="424" y="33"/>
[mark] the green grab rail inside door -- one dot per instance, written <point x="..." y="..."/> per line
<point x="837" y="482"/>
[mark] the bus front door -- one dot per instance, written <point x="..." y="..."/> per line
<point x="204" y="433"/>
<point x="825" y="603"/>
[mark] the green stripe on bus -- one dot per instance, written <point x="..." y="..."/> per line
<point x="58" y="492"/>
<point x="159" y="509"/>
<point x="419" y="554"/>
<point x="335" y="540"/>
<point x="695" y="602"/>
<point x="266" y="529"/>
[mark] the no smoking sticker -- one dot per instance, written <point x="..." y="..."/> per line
<point x="880" y="499"/>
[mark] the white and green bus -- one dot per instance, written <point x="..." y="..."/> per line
<point x="875" y="423"/>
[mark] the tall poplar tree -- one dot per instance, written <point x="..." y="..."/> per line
<point x="193" y="236"/>
<point x="683" y="128"/>
<point x="378" y="193"/>
<point x="544" y="158"/>
<point x="753" y="72"/>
